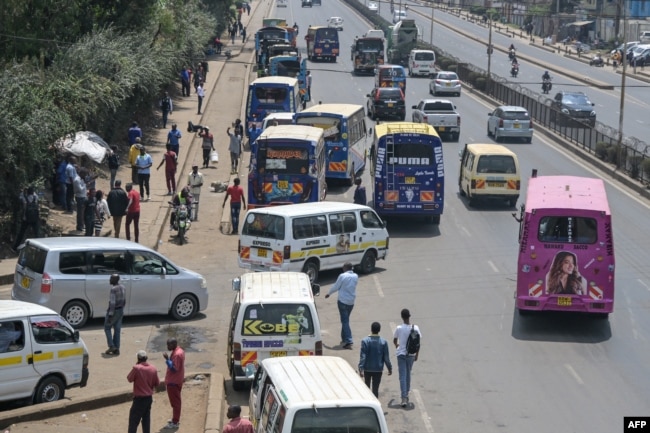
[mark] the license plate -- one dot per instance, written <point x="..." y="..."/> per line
<point x="278" y="353"/>
<point x="26" y="282"/>
<point x="390" y="104"/>
<point x="409" y="180"/>
<point x="495" y="184"/>
<point x="448" y="84"/>
<point x="516" y="126"/>
<point x="283" y="184"/>
<point x="564" y="301"/>
<point x="261" y="252"/>
<point x="441" y="128"/>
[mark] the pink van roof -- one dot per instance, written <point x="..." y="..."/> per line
<point x="566" y="192"/>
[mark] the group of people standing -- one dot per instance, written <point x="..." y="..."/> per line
<point x="374" y="352"/>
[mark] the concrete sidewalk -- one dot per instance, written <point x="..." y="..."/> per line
<point x="226" y="84"/>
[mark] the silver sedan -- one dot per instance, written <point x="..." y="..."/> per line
<point x="444" y="82"/>
<point x="509" y="121"/>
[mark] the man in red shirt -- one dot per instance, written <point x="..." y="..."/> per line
<point x="174" y="380"/>
<point x="170" y="159"/>
<point x="237" y="424"/>
<point x="144" y="377"/>
<point x="236" y="194"/>
<point x="132" y="212"/>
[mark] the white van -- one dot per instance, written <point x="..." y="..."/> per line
<point x="40" y="354"/>
<point x="273" y="315"/>
<point x="279" y="118"/>
<point x="310" y="237"/>
<point x="644" y="37"/>
<point x="312" y="394"/>
<point x="374" y="33"/>
<point x="398" y="15"/>
<point x="422" y="62"/>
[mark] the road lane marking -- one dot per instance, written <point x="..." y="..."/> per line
<point x="380" y="292"/>
<point x="425" y="417"/>
<point x="573" y="373"/>
<point x="644" y="284"/>
<point x="493" y="266"/>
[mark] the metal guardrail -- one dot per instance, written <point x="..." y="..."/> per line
<point x="600" y="140"/>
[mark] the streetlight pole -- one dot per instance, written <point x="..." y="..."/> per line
<point x="489" y="53"/>
<point x="619" y="138"/>
<point x="431" y="35"/>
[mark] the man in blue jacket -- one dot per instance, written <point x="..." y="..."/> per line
<point x="374" y="355"/>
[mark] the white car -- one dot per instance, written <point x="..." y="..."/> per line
<point x="335" y="22"/>
<point x="373" y="6"/>
<point x="444" y="82"/>
<point x="509" y="121"/>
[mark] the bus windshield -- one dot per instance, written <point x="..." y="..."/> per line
<point x="329" y="125"/>
<point x="271" y="95"/>
<point x="327" y="34"/>
<point x="285" y="160"/>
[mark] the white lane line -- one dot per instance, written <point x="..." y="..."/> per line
<point x="644" y="284"/>
<point x="574" y="374"/>
<point x="425" y="417"/>
<point x="467" y="232"/>
<point x="493" y="266"/>
<point x="380" y="292"/>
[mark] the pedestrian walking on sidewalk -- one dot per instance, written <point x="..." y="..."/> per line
<point x="405" y="359"/>
<point x="134" y="132"/>
<point x="243" y="35"/>
<point x="167" y="108"/>
<point x="233" y="32"/>
<point x="114" y="314"/>
<point x="144" y="378"/>
<point x="207" y="145"/>
<point x="102" y="212"/>
<point x="174" y="377"/>
<point x="200" y="93"/>
<point x="239" y="129"/>
<point x="236" y="194"/>
<point x="144" y="163"/>
<point x="170" y="159"/>
<point x="89" y="212"/>
<point x="113" y="163"/>
<point x="373" y="356"/>
<point x="235" y="150"/>
<point x="117" y="201"/>
<point x="346" y="285"/>
<point x="80" y="194"/>
<point x="359" y="192"/>
<point x="195" y="182"/>
<point x="134" y="151"/>
<point x="185" y="81"/>
<point x="70" y="174"/>
<point x="174" y="138"/>
<point x="248" y="8"/>
<point x="132" y="213"/>
<point x="237" y="424"/>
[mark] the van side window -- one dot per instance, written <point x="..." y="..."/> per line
<point x="146" y="263"/>
<point x="470" y="162"/>
<point x="72" y="263"/>
<point x="370" y="220"/>
<point x="309" y="227"/>
<point x="50" y="329"/>
<point x="344" y="222"/>
<point x="107" y="262"/>
<point x="12" y="336"/>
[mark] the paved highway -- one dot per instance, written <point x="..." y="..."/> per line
<point x="482" y="367"/>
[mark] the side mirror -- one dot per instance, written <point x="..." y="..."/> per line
<point x="236" y="284"/>
<point x="368" y="95"/>
<point x="490" y="113"/>
<point x="315" y="289"/>
<point x="414" y="107"/>
<point x="75" y="336"/>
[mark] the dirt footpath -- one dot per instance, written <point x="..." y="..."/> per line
<point x="115" y="419"/>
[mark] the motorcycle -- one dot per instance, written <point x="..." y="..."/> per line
<point x="180" y="221"/>
<point x="597" y="61"/>
<point x="546" y="86"/>
<point x="511" y="54"/>
<point x="514" y="71"/>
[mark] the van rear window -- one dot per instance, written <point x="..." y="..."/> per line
<point x="503" y="164"/>
<point x="33" y="258"/>
<point x="424" y="56"/>
<point x="264" y="226"/>
<point x="336" y="419"/>
<point x="277" y="319"/>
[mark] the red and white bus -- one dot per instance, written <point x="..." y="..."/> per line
<point x="566" y="247"/>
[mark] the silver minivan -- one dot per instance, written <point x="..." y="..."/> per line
<point x="70" y="275"/>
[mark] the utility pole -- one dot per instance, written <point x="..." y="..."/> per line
<point x="489" y="53"/>
<point x="619" y="138"/>
<point x="431" y="36"/>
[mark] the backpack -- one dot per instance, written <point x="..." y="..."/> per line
<point x="113" y="161"/>
<point x="413" y="341"/>
<point x="32" y="211"/>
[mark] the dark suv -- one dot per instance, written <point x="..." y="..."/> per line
<point x="576" y="105"/>
<point x="386" y="102"/>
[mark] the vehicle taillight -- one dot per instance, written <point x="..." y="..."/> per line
<point x="530" y="123"/>
<point x="500" y="123"/>
<point x="376" y="96"/>
<point x="319" y="348"/>
<point x="46" y="283"/>
<point x="287" y="252"/>
<point x="425" y="119"/>
<point x="457" y="120"/>
<point x="236" y="351"/>
<point x="518" y="185"/>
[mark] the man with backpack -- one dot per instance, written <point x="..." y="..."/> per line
<point x="167" y="108"/>
<point x="407" y="342"/>
<point x="30" y="215"/>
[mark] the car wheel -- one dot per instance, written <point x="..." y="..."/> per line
<point x="461" y="191"/>
<point x="513" y="201"/>
<point x="455" y="137"/>
<point x="237" y="385"/>
<point x="184" y="307"/>
<point x="49" y="390"/>
<point x="368" y="262"/>
<point x="458" y="94"/>
<point x="496" y="136"/>
<point x="430" y="91"/>
<point x="311" y="269"/>
<point x="471" y="200"/>
<point x="489" y="134"/>
<point x="529" y="140"/>
<point x="76" y="313"/>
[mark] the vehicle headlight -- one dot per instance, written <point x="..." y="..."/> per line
<point x="204" y="283"/>
<point x="565" y="110"/>
<point x="592" y="114"/>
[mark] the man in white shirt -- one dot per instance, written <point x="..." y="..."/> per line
<point x="195" y="182"/>
<point x="346" y="285"/>
<point x="404" y="359"/>
<point x="200" y="93"/>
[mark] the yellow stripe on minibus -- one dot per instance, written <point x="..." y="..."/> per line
<point x="46" y="356"/>
<point x="70" y="353"/>
<point x="12" y="360"/>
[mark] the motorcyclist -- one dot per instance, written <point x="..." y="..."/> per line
<point x="296" y="28"/>
<point x="546" y="76"/>
<point x="546" y="82"/>
<point x="184" y="196"/>
<point x="515" y="68"/>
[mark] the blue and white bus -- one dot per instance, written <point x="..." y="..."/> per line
<point x="408" y="170"/>
<point x="268" y="95"/>
<point x="344" y="127"/>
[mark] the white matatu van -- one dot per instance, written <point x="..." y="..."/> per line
<point x="40" y="354"/>
<point x="312" y="394"/>
<point x="309" y="237"/>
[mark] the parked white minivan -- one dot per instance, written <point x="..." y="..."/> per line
<point x="70" y="275"/>
<point x="273" y="315"/>
<point x="309" y="237"/>
<point x="41" y="355"/>
<point x="312" y="394"/>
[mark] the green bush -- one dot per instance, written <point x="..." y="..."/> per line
<point x="601" y="150"/>
<point x="613" y="154"/>
<point x="452" y="67"/>
<point x="480" y="83"/>
<point x="477" y="10"/>
<point x="635" y="165"/>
